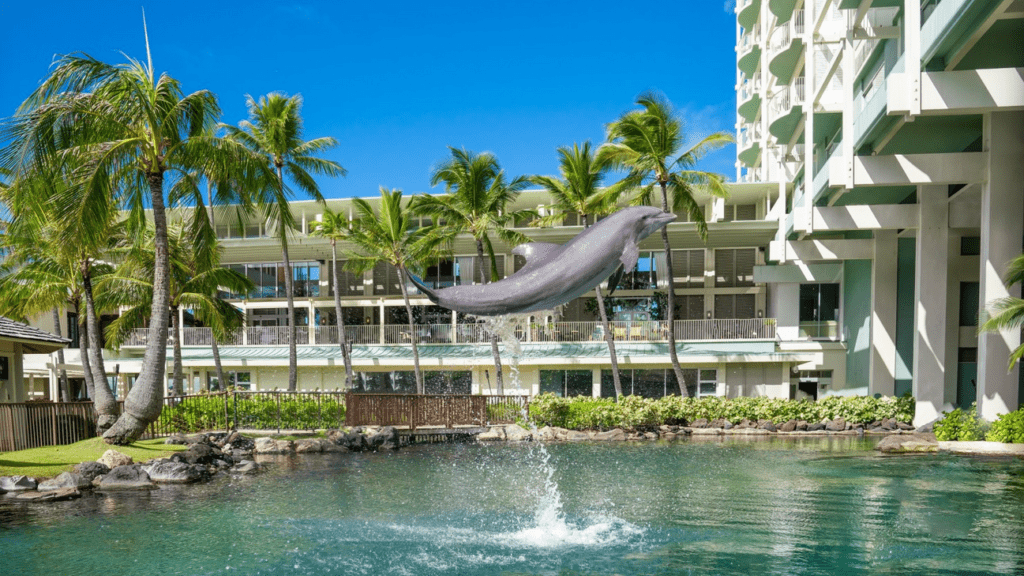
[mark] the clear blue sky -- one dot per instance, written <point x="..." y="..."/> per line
<point x="397" y="82"/>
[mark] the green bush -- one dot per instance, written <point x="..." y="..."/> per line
<point x="960" y="425"/>
<point x="261" y="412"/>
<point x="1008" y="428"/>
<point x="586" y="413"/>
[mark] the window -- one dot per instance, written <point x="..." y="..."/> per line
<point x="740" y="212"/>
<point x="565" y="383"/>
<point x="970" y="294"/>
<point x="819" y="311"/>
<point x="689" y="307"/>
<point x="735" y="267"/>
<point x="643" y="276"/>
<point x="350" y="284"/>
<point x="970" y="245"/>
<point x="645" y="383"/>
<point x="73" y="330"/>
<point x="708" y="383"/>
<point x="688" y="268"/>
<point x="729" y="306"/>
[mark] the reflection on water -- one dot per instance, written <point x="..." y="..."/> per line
<point x="806" y="506"/>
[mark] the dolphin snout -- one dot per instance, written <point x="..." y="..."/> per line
<point x="665" y="218"/>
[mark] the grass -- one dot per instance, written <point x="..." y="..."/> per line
<point x="50" y="461"/>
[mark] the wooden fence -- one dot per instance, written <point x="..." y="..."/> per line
<point x="33" y="424"/>
<point x="414" y="410"/>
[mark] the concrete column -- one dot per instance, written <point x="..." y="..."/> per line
<point x="930" y="289"/>
<point x="1002" y="210"/>
<point x="883" y="315"/>
<point x="311" y="322"/>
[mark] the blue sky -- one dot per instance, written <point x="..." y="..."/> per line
<point x="397" y="82"/>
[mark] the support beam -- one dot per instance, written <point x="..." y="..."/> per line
<point x="868" y="217"/>
<point x="930" y="278"/>
<point x="960" y="92"/>
<point x="914" y="169"/>
<point x="821" y="250"/>
<point x="1002" y="213"/>
<point x="883" y="315"/>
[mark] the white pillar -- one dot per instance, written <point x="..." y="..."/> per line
<point x="883" y="314"/>
<point x="930" y="276"/>
<point x="311" y="322"/>
<point x="1002" y="210"/>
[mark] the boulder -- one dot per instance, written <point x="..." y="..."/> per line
<point x="699" y="423"/>
<point x="176" y="438"/>
<point x="90" y="470"/>
<point x="171" y="472"/>
<point x="816" y="427"/>
<point x="50" y="495"/>
<point x="888" y="424"/>
<point x="560" y="433"/>
<point x="577" y="436"/>
<point x="199" y="454"/>
<point x="789" y="426"/>
<point x="126" y="477"/>
<point x="516" y="433"/>
<point x="669" y="435"/>
<point x="17" y="483"/>
<point x="751" y="432"/>
<point x="308" y="445"/>
<point x="235" y="442"/>
<point x="650" y="435"/>
<point x="65" y="480"/>
<point x="728" y="425"/>
<point x="546" y="434"/>
<point x="717" y="423"/>
<point x="904" y="426"/>
<point x="837" y="425"/>
<point x="385" y="438"/>
<point x="766" y="425"/>
<point x="271" y="446"/>
<point x="907" y="444"/>
<point x="246" y="467"/>
<point x="493" y="434"/>
<point x="747" y="424"/>
<point x="112" y="459"/>
<point x="613" y="435"/>
<point x="197" y="439"/>
<point x="708" y="431"/>
<point x="801" y="425"/>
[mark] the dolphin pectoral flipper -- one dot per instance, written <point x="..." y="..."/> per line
<point x="613" y="280"/>
<point x="630" y="254"/>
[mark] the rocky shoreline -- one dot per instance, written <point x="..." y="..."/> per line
<point x="210" y="455"/>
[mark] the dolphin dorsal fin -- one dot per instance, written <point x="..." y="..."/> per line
<point x="535" y="252"/>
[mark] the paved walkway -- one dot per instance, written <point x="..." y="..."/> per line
<point x="983" y="448"/>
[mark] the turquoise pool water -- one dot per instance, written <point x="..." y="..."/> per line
<point x="814" y="506"/>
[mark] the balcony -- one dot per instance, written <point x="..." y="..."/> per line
<point x="783" y="9"/>
<point x="874" y="24"/>
<point x="749" y="97"/>
<point x="398" y="334"/>
<point x="786" y="108"/>
<point x="785" y="44"/>
<point x="747" y="11"/>
<point x="749" y="144"/>
<point x="749" y="52"/>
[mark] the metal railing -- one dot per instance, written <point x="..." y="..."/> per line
<point x="750" y="134"/>
<point x="783" y="35"/>
<point x="788" y="96"/>
<point x="748" y="40"/>
<point x="748" y="89"/>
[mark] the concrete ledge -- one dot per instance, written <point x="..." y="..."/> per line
<point x="983" y="448"/>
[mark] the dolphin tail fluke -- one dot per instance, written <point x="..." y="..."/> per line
<point x="428" y="292"/>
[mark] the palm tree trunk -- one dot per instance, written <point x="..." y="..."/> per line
<point x="610" y="339"/>
<point x="293" y="376"/>
<point x="145" y="400"/>
<point x="484" y="277"/>
<point x="342" y="337"/>
<point x="670" y="308"/>
<point x="412" y="331"/>
<point x="83" y="353"/>
<point x="177" y="386"/>
<point x="62" y="374"/>
<point x="213" y="335"/>
<point x="103" y="400"/>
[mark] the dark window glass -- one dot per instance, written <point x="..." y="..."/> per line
<point x="970" y="293"/>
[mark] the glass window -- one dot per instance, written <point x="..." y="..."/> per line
<point x="708" y="382"/>
<point x="565" y="383"/>
<point x="970" y="295"/>
<point x="448" y="382"/>
<point x="819" y="310"/>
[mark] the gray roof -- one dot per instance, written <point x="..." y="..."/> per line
<point x="36" y="341"/>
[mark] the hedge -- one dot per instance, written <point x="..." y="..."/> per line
<point x="297" y="412"/>
<point x="587" y="413"/>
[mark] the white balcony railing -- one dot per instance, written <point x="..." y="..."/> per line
<point x="750" y="134"/>
<point x="783" y="35"/>
<point x="787" y="97"/>
<point x="749" y="88"/>
<point x="748" y="40"/>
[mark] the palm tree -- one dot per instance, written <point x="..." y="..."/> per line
<point x="579" y="191"/>
<point x="46" y="272"/>
<point x="134" y="131"/>
<point x="1008" y="313"/>
<point x="387" y="237"/>
<point x="274" y="131"/>
<point x="477" y="204"/>
<point x="336" y="227"/>
<point x="649" y="143"/>
<point x="195" y="276"/>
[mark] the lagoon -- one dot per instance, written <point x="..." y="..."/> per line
<point x="825" y="505"/>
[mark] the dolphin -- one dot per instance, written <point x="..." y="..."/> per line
<point x="557" y="273"/>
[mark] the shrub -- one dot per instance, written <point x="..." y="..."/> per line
<point x="261" y="412"/>
<point x="1008" y="428"/>
<point x="961" y="425"/>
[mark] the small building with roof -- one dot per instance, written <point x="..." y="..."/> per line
<point x="16" y="340"/>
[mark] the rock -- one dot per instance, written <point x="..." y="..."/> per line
<point x="516" y="433"/>
<point x="197" y="439"/>
<point x="576" y="436"/>
<point x="888" y="424"/>
<point x="176" y="438"/>
<point x="727" y="425"/>
<point x="246" y="467"/>
<point x="236" y="442"/>
<point x="385" y="438"/>
<point x="17" y="483"/>
<point x="751" y="432"/>
<point x="669" y="435"/>
<point x="789" y="426"/>
<point x="327" y="447"/>
<point x="199" y="454"/>
<point x="816" y="427"/>
<point x="112" y="459"/>
<point x="560" y="433"/>
<point x="546" y="434"/>
<point x="308" y="445"/>
<point x="801" y="425"/>
<point x="907" y="444"/>
<point x="611" y="435"/>
<point x="271" y="446"/>
<point x="650" y="435"/>
<point x="766" y="425"/>
<point x="51" y="495"/>
<point x="904" y="426"/>
<point x="746" y="424"/>
<point x="65" y="480"/>
<point x="126" y="477"/>
<point x="837" y="425"/>
<point x="90" y="470"/>
<point x="700" y="423"/>
<point x="926" y="428"/>
<point x="708" y="431"/>
<point x="717" y="423"/>
<point x="493" y="434"/>
<point x="171" y="472"/>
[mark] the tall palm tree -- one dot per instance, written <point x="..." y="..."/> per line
<point x="335" y="227"/>
<point x="649" y="143"/>
<point x="274" y="131"/>
<point x="1008" y="313"/>
<point x="579" y="191"/>
<point x="477" y="203"/>
<point x="195" y="276"/>
<point x="387" y="236"/>
<point x="134" y="131"/>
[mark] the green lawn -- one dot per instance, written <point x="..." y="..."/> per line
<point x="50" y="461"/>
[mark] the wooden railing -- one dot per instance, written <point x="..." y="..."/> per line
<point x="415" y="410"/>
<point x="634" y="330"/>
<point x="34" y="424"/>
